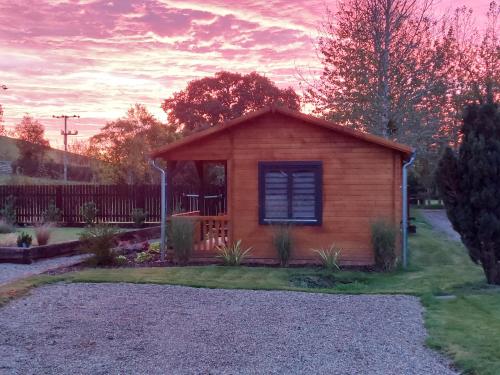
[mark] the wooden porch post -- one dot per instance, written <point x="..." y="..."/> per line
<point x="225" y="189"/>
<point x="229" y="199"/>
<point x="171" y="166"/>
<point x="201" y="193"/>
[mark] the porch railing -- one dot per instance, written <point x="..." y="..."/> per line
<point x="210" y="232"/>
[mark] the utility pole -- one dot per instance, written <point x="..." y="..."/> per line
<point x="65" y="133"/>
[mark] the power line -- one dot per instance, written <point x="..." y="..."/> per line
<point x="66" y="133"/>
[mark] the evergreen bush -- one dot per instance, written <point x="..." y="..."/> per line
<point x="469" y="183"/>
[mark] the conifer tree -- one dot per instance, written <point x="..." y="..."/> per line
<point x="470" y="186"/>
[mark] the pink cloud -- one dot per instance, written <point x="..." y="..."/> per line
<point x="96" y="58"/>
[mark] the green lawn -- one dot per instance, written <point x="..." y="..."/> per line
<point x="58" y="234"/>
<point x="437" y="266"/>
<point x="467" y="328"/>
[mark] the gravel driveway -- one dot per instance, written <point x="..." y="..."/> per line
<point x="440" y="222"/>
<point x="155" y="329"/>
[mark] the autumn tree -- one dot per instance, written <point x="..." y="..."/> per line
<point x="32" y="145"/>
<point x="31" y="130"/>
<point x="382" y="68"/>
<point x="474" y="75"/>
<point x="469" y="183"/>
<point x="125" y="144"/>
<point x="79" y="147"/>
<point x="212" y="100"/>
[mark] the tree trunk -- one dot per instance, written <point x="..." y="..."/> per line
<point x="491" y="267"/>
<point x="385" y="67"/>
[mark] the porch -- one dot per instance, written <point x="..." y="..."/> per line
<point x="208" y="208"/>
<point x="210" y="232"/>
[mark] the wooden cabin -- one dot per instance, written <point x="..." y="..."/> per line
<point x="283" y="167"/>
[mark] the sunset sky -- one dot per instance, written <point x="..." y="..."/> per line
<point x="96" y="58"/>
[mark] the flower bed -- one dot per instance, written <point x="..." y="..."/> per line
<point x="28" y="255"/>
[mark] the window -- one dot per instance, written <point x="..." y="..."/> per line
<point x="290" y="192"/>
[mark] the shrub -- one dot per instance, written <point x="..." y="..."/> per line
<point x="154" y="248"/>
<point x="89" y="213"/>
<point x="468" y="182"/>
<point x="329" y="257"/>
<point x="8" y="240"/>
<point x="139" y="216"/>
<point x="182" y="237"/>
<point x="6" y="227"/>
<point x="283" y="243"/>
<point x="99" y="240"/>
<point x="52" y="214"/>
<point x="232" y="255"/>
<point x="121" y="260"/>
<point x="8" y="212"/>
<point x="24" y="240"/>
<point x="42" y="234"/>
<point x="384" y="244"/>
<point x="143" y="257"/>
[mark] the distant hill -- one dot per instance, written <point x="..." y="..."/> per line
<point x="10" y="152"/>
<point x="80" y="168"/>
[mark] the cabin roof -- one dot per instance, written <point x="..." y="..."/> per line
<point x="404" y="149"/>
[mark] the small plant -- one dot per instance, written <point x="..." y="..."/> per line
<point x="384" y="244"/>
<point x="154" y="248"/>
<point x="121" y="260"/>
<point x="89" y="213"/>
<point x="6" y="227"/>
<point x="139" y="216"/>
<point x="43" y="233"/>
<point x="283" y="243"/>
<point x="182" y="237"/>
<point x="24" y="240"/>
<point x="143" y="257"/>
<point x="8" y="240"/>
<point x="232" y="255"/>
<point x="8" y="212"/>
<point x="329" y="257"/>
<point x="99" y="240"/>
<point x="52" y="214"/>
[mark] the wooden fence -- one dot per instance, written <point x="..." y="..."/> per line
<point x="114" y="202"/>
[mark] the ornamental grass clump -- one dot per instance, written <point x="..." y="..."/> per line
<point x="384" y="244"/>
<point x="99" y="241"/>
<point x="182" y="238"/>
<point x="329" y="257"/>
<point x="234" y="254"/>
<point x="43" y="233"/>
<point x="283" y="243"/>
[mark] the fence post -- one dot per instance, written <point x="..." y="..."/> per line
<point x="140" y="197"/>
<point x="59" y="202"/>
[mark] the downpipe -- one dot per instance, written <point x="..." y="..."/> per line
<point x="163" y="235"/>
<point x="404" y="188"/>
